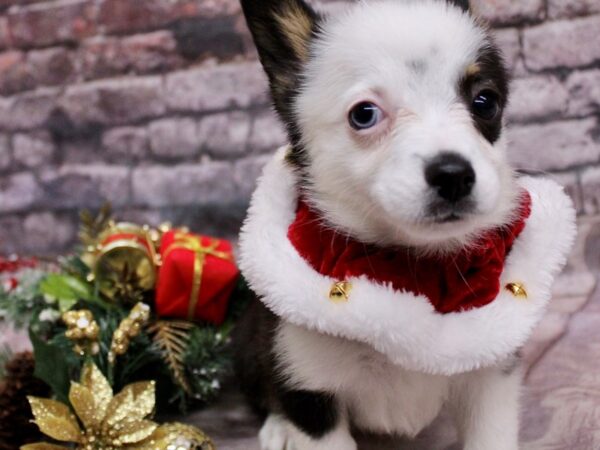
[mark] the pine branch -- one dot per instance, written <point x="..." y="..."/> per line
<point x="92" y="226"/>
<point x="172" y="338"/>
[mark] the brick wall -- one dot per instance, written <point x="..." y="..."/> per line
<point x="159" y="106"/>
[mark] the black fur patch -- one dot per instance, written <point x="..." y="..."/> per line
<point x="253" y="357"/>
<point x="283" y="31"/>
<point x="489" y="72"/>
<point x="462" y="4"/>
<point x="314" y="413"/>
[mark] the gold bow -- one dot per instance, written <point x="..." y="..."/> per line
<point x="194" y="243"/>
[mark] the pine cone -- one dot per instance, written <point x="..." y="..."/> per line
<point x="15" y="413"/>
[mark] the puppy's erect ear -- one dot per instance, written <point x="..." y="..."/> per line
<point x="462" y="4"/>
<point x="282" y="31"/>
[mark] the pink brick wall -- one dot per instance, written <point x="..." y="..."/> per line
<point x="159" y="106"/>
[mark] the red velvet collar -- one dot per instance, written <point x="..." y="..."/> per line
<point x="457" y="282"/>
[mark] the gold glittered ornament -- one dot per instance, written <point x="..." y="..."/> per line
<point x="124" y="261"/>
<point x="176" y="436"/>
<point x="129" y="328"/>
<point x="103" y="421"/>
<point x="83" y="331"/>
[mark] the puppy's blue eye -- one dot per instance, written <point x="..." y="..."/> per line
<point x="485" y="105"/>
<point x="365" y="115"/>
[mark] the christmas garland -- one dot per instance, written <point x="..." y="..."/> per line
<point x="134" y="304"/>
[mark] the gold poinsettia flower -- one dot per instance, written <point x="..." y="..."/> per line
<point x="102" y="421"/>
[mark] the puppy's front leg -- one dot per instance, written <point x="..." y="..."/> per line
<point x="486" y="406"/>
<point x="313" y="421"/>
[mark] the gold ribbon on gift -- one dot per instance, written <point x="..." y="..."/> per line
<point x="194" y="243"/>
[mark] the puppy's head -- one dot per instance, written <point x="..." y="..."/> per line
<point x="394" y="111"/>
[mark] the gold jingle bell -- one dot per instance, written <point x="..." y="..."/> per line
<point x="340" y="291"/>
<point x="517" y="290"/>
<point x="125" y="262"/>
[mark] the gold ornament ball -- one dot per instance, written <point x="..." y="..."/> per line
<point x="134" y="330"/>
<point x="140" y="312"/>
<point x="120" y="335"/>
<point x="74" y="334"/>
<point x="177" y="436"/>
<point x="92" y="331"/>
<point x="79" y="319"/>
<point x="121" y="349"/>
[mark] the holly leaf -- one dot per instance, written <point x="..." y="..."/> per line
<point x="66" y="289"/>
<point x="51" y="366"/>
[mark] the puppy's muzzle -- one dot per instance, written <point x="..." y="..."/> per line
<point x="451" y="176"/>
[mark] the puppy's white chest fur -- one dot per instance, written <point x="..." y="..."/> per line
<point x="377" y="395"/>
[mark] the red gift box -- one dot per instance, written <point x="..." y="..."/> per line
<point x="196" y="278"/>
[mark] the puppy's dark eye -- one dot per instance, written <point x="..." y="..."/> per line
<point x="365" y="115"/>
<point x="486" y="105"/>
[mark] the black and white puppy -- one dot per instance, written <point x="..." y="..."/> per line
<point x="394" y="111"/>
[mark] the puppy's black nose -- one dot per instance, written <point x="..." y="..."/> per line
<point x="451" y="175"/>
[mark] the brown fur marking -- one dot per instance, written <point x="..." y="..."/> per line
<point x="297" y="27"/>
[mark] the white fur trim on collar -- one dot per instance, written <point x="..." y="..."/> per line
<point x="403" y="326"/>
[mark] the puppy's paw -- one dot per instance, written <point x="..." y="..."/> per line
<point x="275" y="434"/>
<point x="279" y="434"/>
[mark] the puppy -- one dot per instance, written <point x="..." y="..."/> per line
<point x="394" y="111"/>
